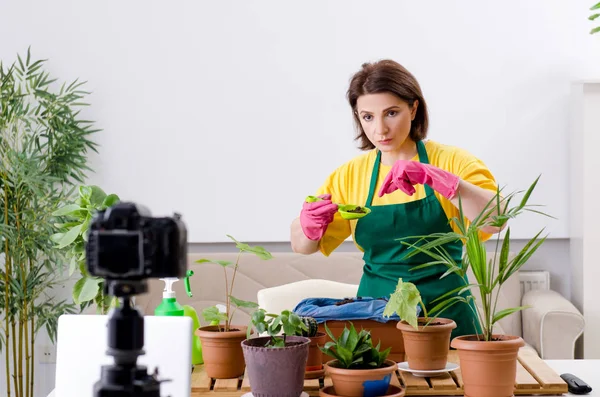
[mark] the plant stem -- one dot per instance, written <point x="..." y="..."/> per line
<point x="26" y="327"/>
<point x="14" y="354"/>
<point x="230" y="318"/>
<point x="23" y="274"/>
<point x="7" y="271"/>
<point x="32" y="351"/>
<point x="226" y="300"/>
<point x="424" y="309"/>
<point x="20" y="372"/>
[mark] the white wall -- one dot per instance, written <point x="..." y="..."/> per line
<point x="215" y="90"/>
<point x="585" y="217"/>
<point x="231" y="112"/>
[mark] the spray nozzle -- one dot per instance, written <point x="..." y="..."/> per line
<point x="168" y="291"/>
<point x="186" y="281"/>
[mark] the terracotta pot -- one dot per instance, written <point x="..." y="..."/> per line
<point x="387" y="333"/>
<point x="350" y="382"/>
<point x="276" y="372"/>
<point x="393" y="391"/>
<point x="489" y="369"/>
<point x="427" y="348"/>
<point x="222" y="351"/>
<point x="315" y="355"/>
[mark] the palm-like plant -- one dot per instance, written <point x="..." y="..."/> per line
<point x="490" y="273"/>
<point x="43" y="143"/>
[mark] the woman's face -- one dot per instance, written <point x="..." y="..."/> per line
<point x="386" y="120"/>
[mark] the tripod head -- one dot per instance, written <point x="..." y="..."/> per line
<point x="125" y="378"/>
<point x="125" y="247"/>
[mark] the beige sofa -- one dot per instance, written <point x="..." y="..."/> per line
<point x="550" y="327"/>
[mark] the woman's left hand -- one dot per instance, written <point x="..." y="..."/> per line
<point x="406" y="173"/>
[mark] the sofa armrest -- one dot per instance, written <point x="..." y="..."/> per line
<point x="551" y="325"/>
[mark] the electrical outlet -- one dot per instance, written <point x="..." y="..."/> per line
<point x="47" y="354"/>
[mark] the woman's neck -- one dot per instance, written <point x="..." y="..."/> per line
<point x="407" y="151"/>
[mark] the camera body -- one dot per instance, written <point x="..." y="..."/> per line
<point x="125" y="247"/>
<point x="126" y="243"/>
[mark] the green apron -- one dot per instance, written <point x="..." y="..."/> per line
<point x="377" y="235"/>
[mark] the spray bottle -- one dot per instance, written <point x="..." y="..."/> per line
<point x="170" y="307"/>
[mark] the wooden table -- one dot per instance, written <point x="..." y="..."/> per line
<point x="534" y="377"/>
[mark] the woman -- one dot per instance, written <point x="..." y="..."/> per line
<point x="410" y="185"/>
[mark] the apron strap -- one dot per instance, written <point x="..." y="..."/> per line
<point x="423" y="158"/>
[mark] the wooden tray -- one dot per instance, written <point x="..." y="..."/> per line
<point x="534" y="377"/>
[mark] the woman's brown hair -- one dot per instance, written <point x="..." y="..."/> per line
<point x="388" y="76"/>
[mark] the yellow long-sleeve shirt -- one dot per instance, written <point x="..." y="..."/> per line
<point x="349" y="184"/>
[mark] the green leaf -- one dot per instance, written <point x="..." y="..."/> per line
<point x="594" y="16"/>
<point x="67" y="210"/>
<point x="504" y="252"/>
<point x="69" y="237"/>
<point x="595" y="30"/>
<point x="259" y="251"/>
<point x="595" y="6"/>
<point x="85" y="289"/>
<point x="506" y="312"/>
<point x="72" y="265"/>
<point x="109" y="201"/>
<point x="240" y="303"/>
<point x="222" y="263"/>
<point x="85" y="191"/>
<point x="56" y="237"/>
<point x="404" y="301"/>
<point x="97" y="196"/>
<point x="212" y="313"/>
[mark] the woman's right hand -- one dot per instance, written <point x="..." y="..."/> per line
<point x="316" y="216"/>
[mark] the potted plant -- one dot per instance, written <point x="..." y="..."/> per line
<point x="359" y="368"/>
<point x="275" y="364"/>
<point x="72" y="236"/>
<point x="426" y="339"/>
<point x="314" y="363"/>
<point x="488" y="361"/>
<point x="221" y="340"/>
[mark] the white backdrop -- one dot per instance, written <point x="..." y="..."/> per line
<point x="231" y="112"/>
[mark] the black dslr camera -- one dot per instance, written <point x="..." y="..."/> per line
<point x="126" y="246"/>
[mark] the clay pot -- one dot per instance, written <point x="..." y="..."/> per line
<point x="427" y="348"/>
<point x="351" y="382"/>
<point x="489" y="369"/>
<point x="275" y="372"/>
<point x="222" y="351"/>
<point x="386" y="332"/>
<point x="393" y="391"/>
<point x="315" y="356"/>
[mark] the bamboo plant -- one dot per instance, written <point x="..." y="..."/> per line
<point x="490" y="273"/>
<point x="43" y="143"/>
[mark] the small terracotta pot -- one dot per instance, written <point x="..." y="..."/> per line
<point x="393" y="391"/>
<point x="489" y="369"/>
<point x="315" y="355"/>
<point x="222" y="351"/>
<point x="351" y="382"/>
<point x="427" y="348"/>
<point x="276" y="372"/>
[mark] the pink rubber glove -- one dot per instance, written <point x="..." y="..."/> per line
<point x="404" y="174"/>
<point x="315" y="217"/>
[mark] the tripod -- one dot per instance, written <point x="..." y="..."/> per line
<point x="125" y="378"/>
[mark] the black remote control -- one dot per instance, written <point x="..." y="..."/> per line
<point x="576" y="385"/>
